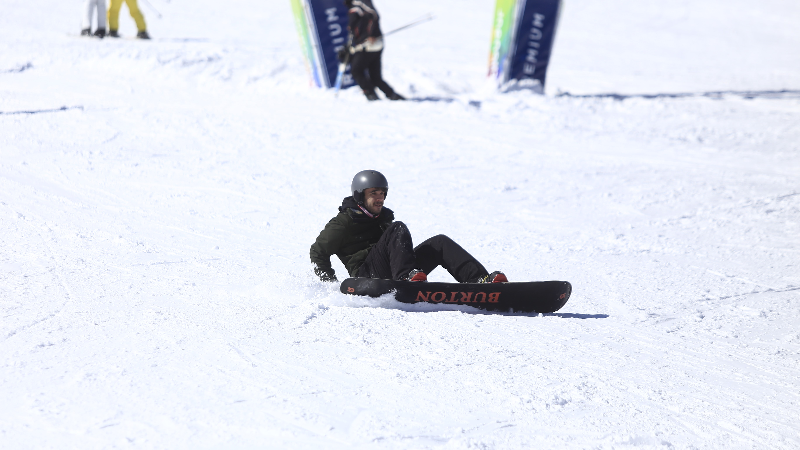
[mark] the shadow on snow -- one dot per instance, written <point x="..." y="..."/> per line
<point x="40" y="111"/>
<point x="748" y="95"/>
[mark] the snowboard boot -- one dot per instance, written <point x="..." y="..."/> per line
<point x="494" y="277"/>
<point x="86" y="32"/>
<point x="113" y="34"/>
<point x="371" y="96"/>
<point x="100" y="32"/>
<point x="396" y="96"/>
<point x="416" y="275"/>
<point x="142" y="35"/>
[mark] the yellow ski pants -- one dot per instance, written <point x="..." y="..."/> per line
<point x="113" y="14"/>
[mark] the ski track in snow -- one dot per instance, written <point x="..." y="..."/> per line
<point x="158" y="199"/>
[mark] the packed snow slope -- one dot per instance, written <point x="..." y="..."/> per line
<point x="155" y="284"/>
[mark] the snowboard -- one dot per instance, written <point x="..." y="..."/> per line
<point x="532" y="296"/>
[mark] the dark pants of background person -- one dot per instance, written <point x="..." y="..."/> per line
<point x="366" y="70"/>
<point x="393" y="257"/>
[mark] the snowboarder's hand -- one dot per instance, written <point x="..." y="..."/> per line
<point x="327" y="275"/>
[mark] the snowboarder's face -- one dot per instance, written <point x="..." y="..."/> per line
<point x="373" y="199"/>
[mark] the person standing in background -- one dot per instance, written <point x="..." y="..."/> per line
<point x="365" y="45"/>
<point x="89" y="9"/>
<point x="113" y="18"/>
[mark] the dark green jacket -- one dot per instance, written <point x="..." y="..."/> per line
<point x="350" y="236"/>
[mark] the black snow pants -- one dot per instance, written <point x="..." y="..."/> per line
<point x="393" y="257"/>
<point x="366" y="70"/>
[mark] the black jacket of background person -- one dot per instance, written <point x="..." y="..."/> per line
<point x="350" y="236"/>
<point x="364" y="21"/>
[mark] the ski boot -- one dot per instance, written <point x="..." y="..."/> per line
<point x="396" y="96"/>
<point x="142" y="35"/>
<point x="494" y="277"/>
<point x="100" y="32"/>
<point x="86" y="32"/>
<point x="113" y="34"/>
<point x="371" y="96"/>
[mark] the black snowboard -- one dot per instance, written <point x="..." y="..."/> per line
<point x="534" y="296"/>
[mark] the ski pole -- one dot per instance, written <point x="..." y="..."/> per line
<point x="153" y="8"/>
<point x="422" y="19"/>
<point x="339" y="74"/>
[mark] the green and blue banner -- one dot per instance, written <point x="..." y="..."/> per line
<point x="523" y="32"/>
<point x="322" y="27"/>
<point x="502" y="33"/>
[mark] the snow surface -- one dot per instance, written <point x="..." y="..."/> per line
<point x="155" y="288"/>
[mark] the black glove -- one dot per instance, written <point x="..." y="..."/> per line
<point x="327" y="275"/>
<point x="344" y="54"/>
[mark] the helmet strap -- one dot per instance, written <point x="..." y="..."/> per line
<point x="369" y="214"/>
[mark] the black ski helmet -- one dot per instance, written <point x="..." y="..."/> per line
<point x="367" y="179"/>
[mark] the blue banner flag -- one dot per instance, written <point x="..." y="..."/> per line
<point x="528" y="27"/>
<point x="533" y="43"/>
<point x="324" y="26"/>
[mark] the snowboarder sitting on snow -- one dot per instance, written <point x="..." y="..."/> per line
<point x="365" y="46"/>
<point x="370" y="244"/>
